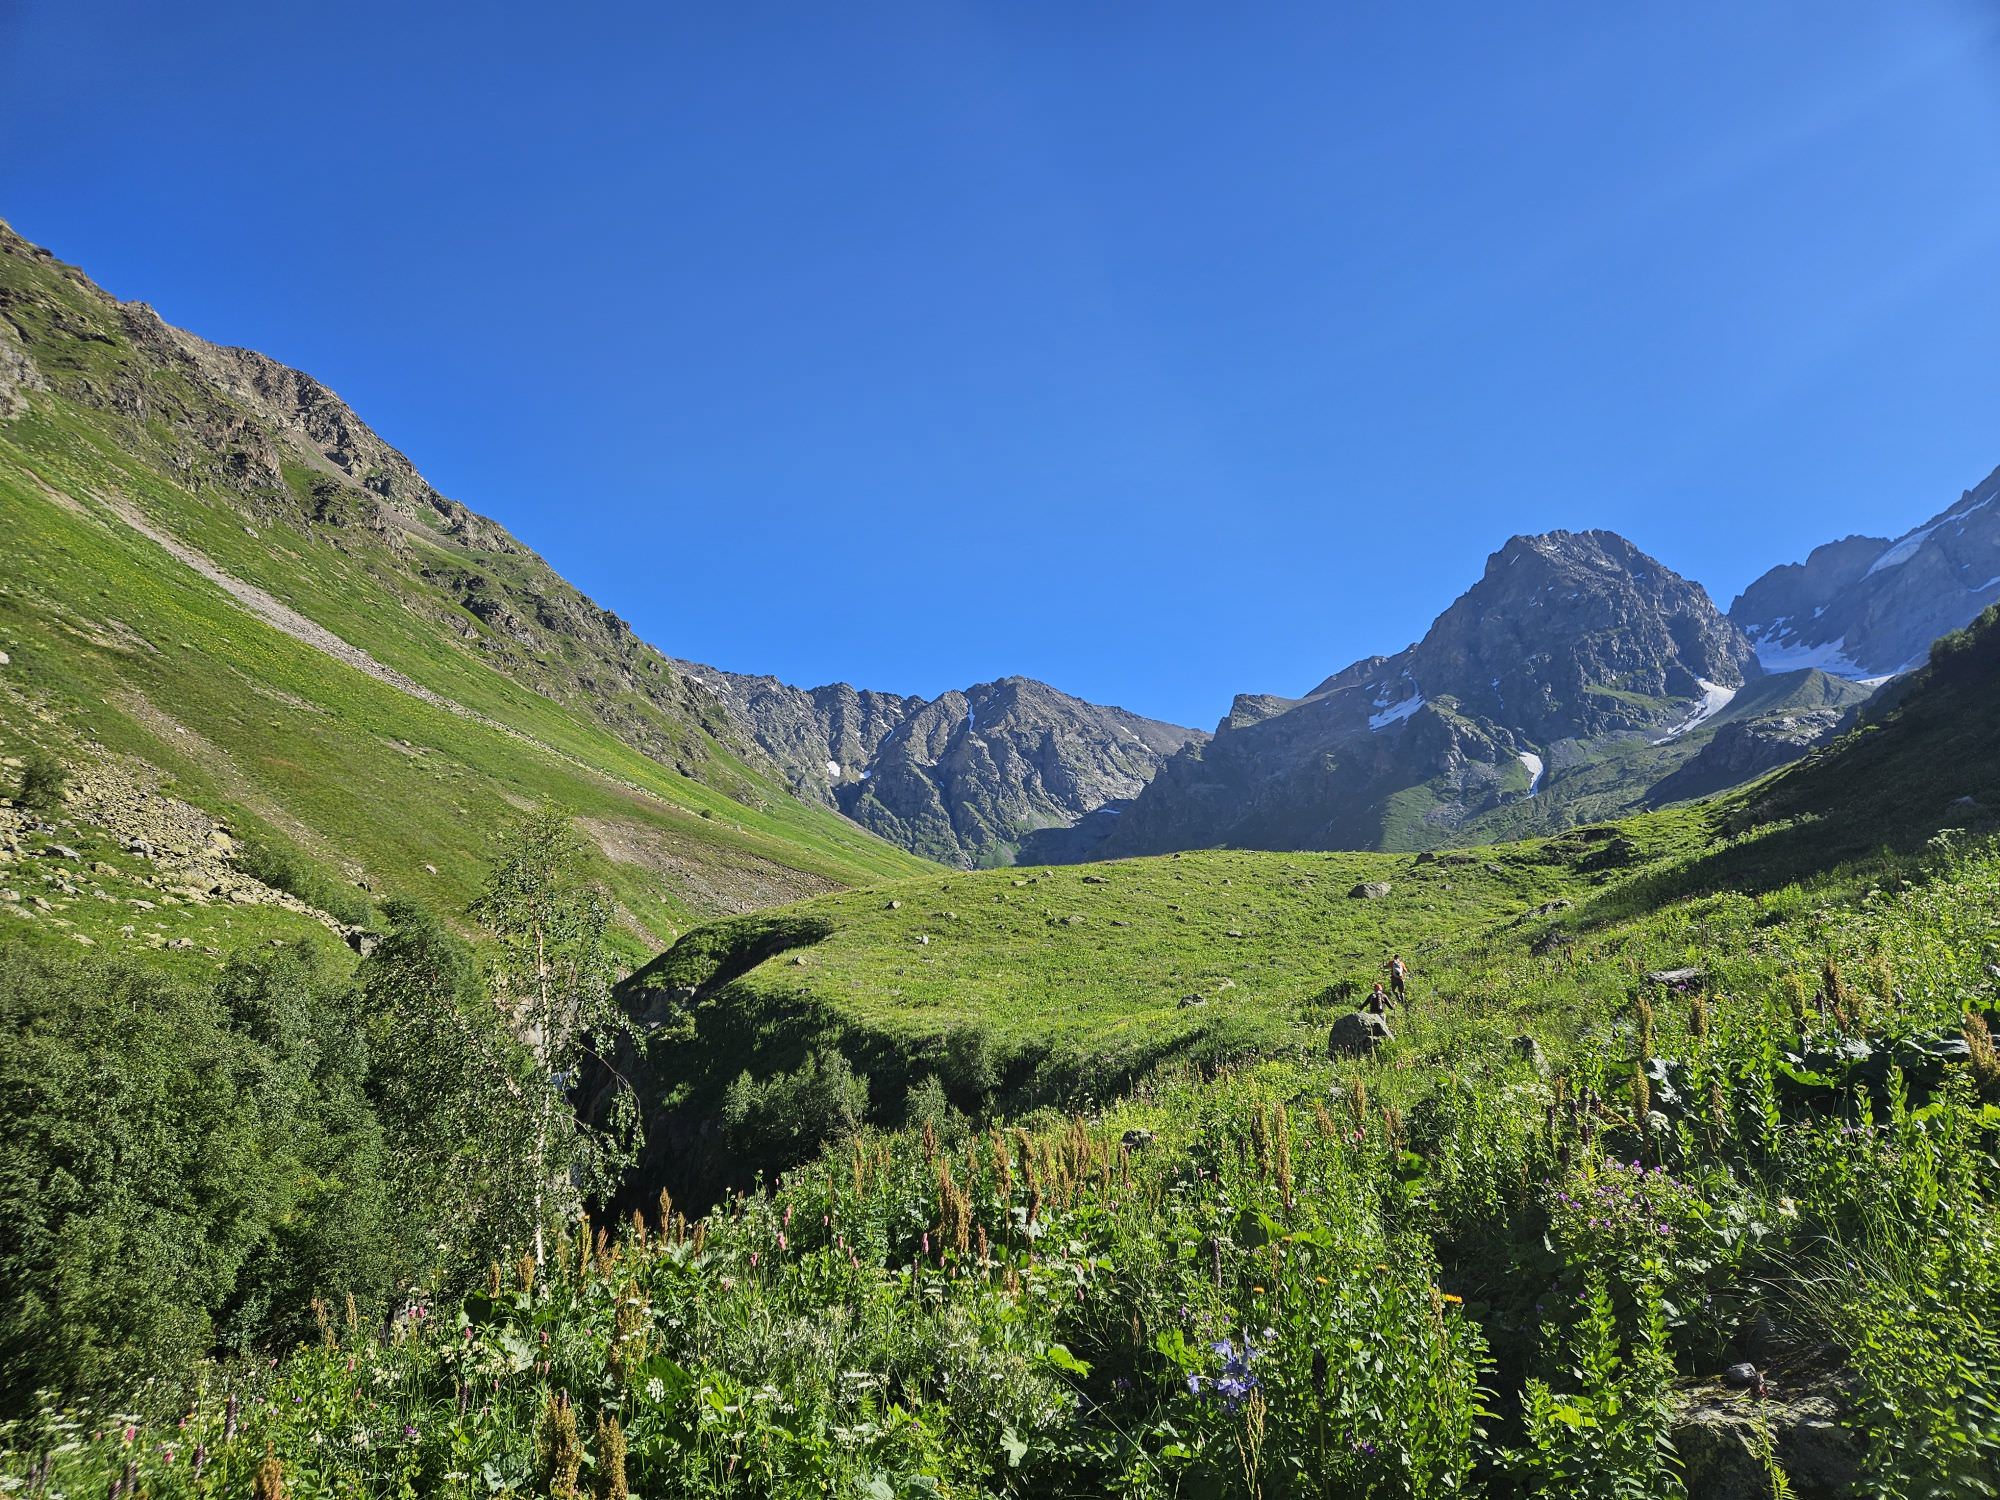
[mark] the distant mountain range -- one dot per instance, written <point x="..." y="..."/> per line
<point x="1868" y="608"/>
<point x="1576" y="679"/>
<point x="1002" y="772"/>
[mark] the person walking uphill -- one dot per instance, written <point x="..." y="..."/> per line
<point x="1399" y="978"/>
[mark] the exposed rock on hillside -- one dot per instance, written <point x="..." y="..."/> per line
<point x="1001" y="771"/>
<point x="1868" y="608"/>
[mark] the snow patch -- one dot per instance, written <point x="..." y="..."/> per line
<point x="833" y="770"/>
<point x="1980" y="588"/>
<point x="1533" y="762"/>
<point x="1906" y="548"/>
<point x="1829" y="656"/>
<point x="1714" y="699"/>
<point x="1396" y="713"/>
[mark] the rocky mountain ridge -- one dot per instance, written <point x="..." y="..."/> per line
<point x="1572" y="676"/>
<point x="991" y="774"/>
<point x="1868" y="608"/>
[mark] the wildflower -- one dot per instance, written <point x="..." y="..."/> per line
<point x="409" y="1433"/>
<point x="781" y="1241"/>
<point x="753" y="1260"/>
<point x="1453" y="1297"/>
<point x="131" y="1432"/>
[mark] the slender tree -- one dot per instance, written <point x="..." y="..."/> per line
<point x="552" y="974"/>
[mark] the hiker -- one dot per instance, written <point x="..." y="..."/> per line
<point x="1377" y="1003"/>
<point x="1399" y="978"/>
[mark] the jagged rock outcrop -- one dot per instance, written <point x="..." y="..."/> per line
<point x="1867" y="608"/>
<point x="1577" y="671"/>
<point x="1001" y="771"/>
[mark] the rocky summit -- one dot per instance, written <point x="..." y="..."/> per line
<point x="1573" y="676"/>
<point x="1000" y="772"/>
<point x="1868" y="607"/>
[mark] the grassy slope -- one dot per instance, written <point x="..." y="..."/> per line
<point x="1076" y="975"/>
<point x="116" y="647"/>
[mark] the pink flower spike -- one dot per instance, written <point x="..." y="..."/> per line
<point x="753" y="1260"/>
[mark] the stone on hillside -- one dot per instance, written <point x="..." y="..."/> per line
<point x="1546" y="909"/>
<point x="894" y="906"/>
<point x="1357" y="1035"/>
<point x="1189" y="1002"/>
<point x="1740" y="1376"/>
<point x="1095" y="880"/>
<point x="1674" y="979"/>
<point x="1370" y="890"/>
<point x="1721" y="1445"/>
<point x="1137" y="1139"/>
<point x="1233" y="933"/>
<point x="60" y="851"/>
<point x="1072" y="921"/>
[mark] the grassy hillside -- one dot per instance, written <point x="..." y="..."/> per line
<point x="302" y="655"/>
<point x="1068" y="984"/>
<point x="1509" y="1255"/>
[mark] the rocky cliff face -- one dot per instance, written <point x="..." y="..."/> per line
<point x="1574" y="673"/>
<point x="1865" y="608"/>
<point x="1000" y="771"/>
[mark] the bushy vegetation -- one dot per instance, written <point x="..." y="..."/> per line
<point x="1465" y="1265"/>
<point x="284" y="868"/>
<point x="42" y="783"/>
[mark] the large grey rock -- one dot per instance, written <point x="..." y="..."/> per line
<point x="1370" y="890"/>
<point x="1718" y="1439"/>
<point x="1357" y="1034"/>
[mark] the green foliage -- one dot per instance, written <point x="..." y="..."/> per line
<point x="282" y="867"/>
<point x="182" y="1166"/>
<point x="43" y="782"/>
<point x="787" y="1117"/>
<point x="1604" y="1435"/>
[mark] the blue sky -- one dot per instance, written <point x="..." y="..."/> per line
<point x="1160" y="350"/>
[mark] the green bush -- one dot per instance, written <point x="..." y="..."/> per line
<point x="283" y="868"/>
<point x="43" y="782"/>
<point x="787" y="1117"/>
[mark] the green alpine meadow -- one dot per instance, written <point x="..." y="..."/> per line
<point x="999" y="752"/>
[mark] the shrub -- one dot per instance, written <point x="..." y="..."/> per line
<point x="783" y="1119"/>
<point x="283" y="868"/>
<point x="43" y="782"/>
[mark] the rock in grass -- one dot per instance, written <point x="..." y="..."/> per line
<point x="1530" y="1052"/>
<point x="1357" y="1035"/>
<point x="1674" y="979"/>
<point x="1370" y="890"/>
<point x="1720" y="1442"/>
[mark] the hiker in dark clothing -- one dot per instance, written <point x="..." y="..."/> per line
<point x="1399" y="978"/>
<point x="1377" y="1003"/>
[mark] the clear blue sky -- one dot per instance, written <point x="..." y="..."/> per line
<point x="1160" y="350"/>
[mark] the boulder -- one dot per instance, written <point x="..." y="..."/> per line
<point x="1357" y="1035"/>
<point x="1370" y="890"/>
<point x="1719" y="1441"/>
<point x="1675" y="979"/>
